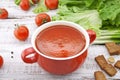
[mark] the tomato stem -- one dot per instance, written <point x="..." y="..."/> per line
<point x="31" y="2"/>
<point x="44" y="21"/>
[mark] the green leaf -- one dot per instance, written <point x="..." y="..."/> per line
<point x="88" y="19"/>
<point x="31" y="2"/>
<point x="41" y="7"/>
<point x="17" y="2"/>
<point x="88" y="2"/>
<point x="99" y="15"/>
<point x="110" y="10"/>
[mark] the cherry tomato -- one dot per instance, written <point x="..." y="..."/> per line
<point x="35" y="1"/>
<point x="25" y="5"/>
<point x="51" y="4"/>
<point x="92" y="35"/>
<point x="3" y="13"/>
<point x="42" y="18"/>
<point x="1" y="61"/>
<point x="21" y="33"/>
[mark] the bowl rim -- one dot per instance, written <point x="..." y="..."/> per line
<point x="68" y="23"/>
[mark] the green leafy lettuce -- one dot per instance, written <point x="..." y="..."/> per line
<point x="88" y="19"/>
<point x="103" y="16"/>
<point x="110" y="12"/>
<point x="76" y="11"/>
<point x="40" y="7"/>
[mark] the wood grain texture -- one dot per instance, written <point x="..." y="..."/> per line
<point x="15" y="69"/>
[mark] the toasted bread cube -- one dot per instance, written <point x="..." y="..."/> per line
<point x="117" y="64"/>
<point x="112" y="48"/>
<point x="109" y="69"/>
<point x="99" y="75"/>
<point x="101" y="61"/>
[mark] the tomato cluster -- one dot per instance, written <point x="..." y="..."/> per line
<point x="22" y="32"/>
<point x="50" y="4"/>
<point x="26" y="4"/>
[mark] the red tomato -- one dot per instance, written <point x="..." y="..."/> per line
<point x="92" y="35"/>
<point x="25" y="5"/>
<point x="51" y="4"/>
<point x="42" y="18"/>
<point x="35" y="1"/>
<point x="21" y="33"/>
<point x="1" y="61"/>
<point x="3" y="13"/>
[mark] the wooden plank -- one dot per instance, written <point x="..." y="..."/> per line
<point x="16" y="68"/>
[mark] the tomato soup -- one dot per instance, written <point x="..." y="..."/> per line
<point x="60" y="41"/>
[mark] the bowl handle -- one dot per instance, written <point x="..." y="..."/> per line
<point x="92" y="35"/>
<point x="28" y="52"/>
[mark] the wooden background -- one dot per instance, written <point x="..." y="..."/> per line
<point x="15" y="69"/>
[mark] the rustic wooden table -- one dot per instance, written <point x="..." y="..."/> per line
<point x="10" y="48"/>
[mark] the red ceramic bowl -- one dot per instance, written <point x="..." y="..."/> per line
<point x="58" y="65"/>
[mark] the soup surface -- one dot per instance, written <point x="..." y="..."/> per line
<point x="60" y="41"/>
